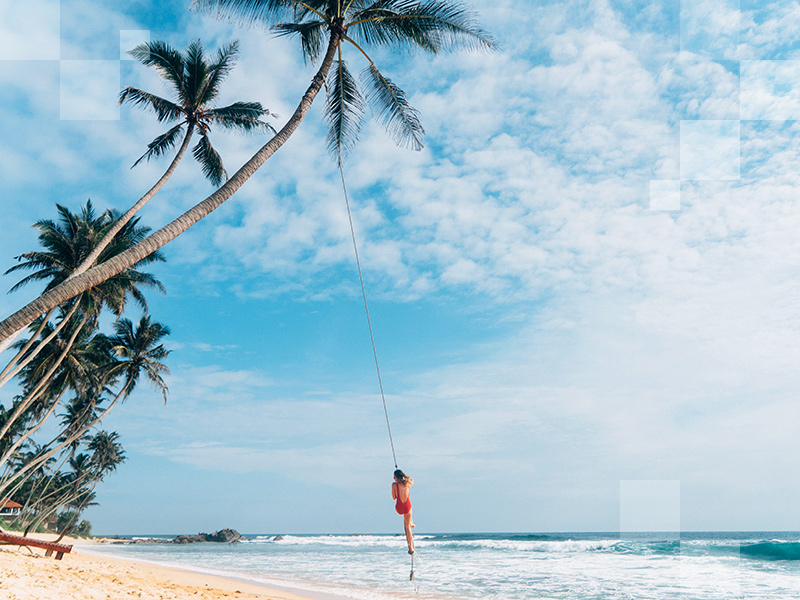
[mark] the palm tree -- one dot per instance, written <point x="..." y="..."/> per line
<point x="428" y="25"/>
<point x="70" y="240"/>
<point x="71" y="486"/>
<point x="138" y="351"/>
<point x="196" y="82"/>
<point x="66" y="243"/>
<point x="67" y="357"/>
<point x="67" y="361"/>
<point x="107" y="454"/>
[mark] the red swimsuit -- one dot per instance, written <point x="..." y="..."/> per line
<point x="402" y="507"/>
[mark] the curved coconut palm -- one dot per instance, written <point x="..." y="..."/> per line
<point x="69" y="360"/>
<point x="68" y="241"/>
<point x="139" y="351"/>
<point x="69" y="486"/>
<point x="196" y="83"/>
<point x="107" y="454"/>
<point x="430" y="25"/>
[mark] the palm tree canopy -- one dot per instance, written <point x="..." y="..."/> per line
<point x="138" y="350"/>
<point x="195" y="80"/>
<point x="69" y="240"/>
<point x="107" y="453"/>
<point x="429" y="25"/>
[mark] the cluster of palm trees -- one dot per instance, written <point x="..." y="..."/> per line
<point x="69" y="368"/>
<point x="90" y="261"/>
<point x="67" y="364"/>
<point x="57" y="492"/>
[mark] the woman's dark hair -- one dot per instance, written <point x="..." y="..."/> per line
<point x="403" y="477"/>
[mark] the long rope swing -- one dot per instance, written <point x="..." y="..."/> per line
<point x="366" y="309"/>
<point x="411" y="577"/>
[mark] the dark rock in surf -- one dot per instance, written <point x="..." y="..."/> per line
<point x="225" y="536"/>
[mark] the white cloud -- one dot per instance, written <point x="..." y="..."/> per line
<point x="711" y="28"/>
<point x="770" y="89"/>
<point x="769" y="30"/>
<point x="30" y="30"/>
<point x="710" y="150"/>
<point x="89" y="90"/>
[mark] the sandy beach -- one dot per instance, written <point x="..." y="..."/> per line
<point x="29" y="575"/>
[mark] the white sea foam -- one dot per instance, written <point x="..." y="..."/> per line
<point x="498" y="567"/>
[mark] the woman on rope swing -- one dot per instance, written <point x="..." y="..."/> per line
<point x="401" y="491"/>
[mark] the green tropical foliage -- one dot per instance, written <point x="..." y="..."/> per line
<point x="196" y="83"/>
<point x="70" y="369"/>
<point x="431" y="26"/>
<point x="69" y="240"/>
<point x="428" y="25"/>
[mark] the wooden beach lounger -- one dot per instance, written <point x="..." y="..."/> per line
<point x="18" y="540"/>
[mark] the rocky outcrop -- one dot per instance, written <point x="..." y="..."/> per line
<point x="222" y="536"/>
<point x="225" y="536"/>
<point x="190" y="539"/>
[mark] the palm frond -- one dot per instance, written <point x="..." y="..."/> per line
<point x="217" y="71"/>
<point x="161" y="144"/>
<point x="131" y="234"/>
<point x="50" y="273"/>
<point x="240" y="115"/>
<point x="164" y="109"/>
<point x="432" y="25"/>
<point x="345" y="109"/>
<point x="196" y="71"/>
<point x="313" y="37"/>
<point x="165" y="59"/>
<point x="267" y="12"/>
<point x="392" y="110"/>
<point x="210" y="161"/>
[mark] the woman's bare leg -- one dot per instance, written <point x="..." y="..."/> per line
<point x="408" y="524"/>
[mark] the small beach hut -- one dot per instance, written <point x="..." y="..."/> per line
<point x="10" y="509"/>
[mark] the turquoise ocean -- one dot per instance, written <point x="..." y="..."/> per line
<point x="500" y="566"/>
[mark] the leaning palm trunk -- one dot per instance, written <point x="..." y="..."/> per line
<point x="43" y="513"/>
<point x="14" y="361"/>
<point x="70" y="527"/>
<point x="42" y="495"/>
<point x="36" y="392"/>
<point x="78" y="512"/>
<point x="14" y="366"/>
<point x="10" y="452"/>
<point x="96" y="275"/>
<point x="89" y="260"/>
<point x="69" y="495"/>
<point x="123" y="220"/>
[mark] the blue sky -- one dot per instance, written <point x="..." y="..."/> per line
<point x="550" y="336"/>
